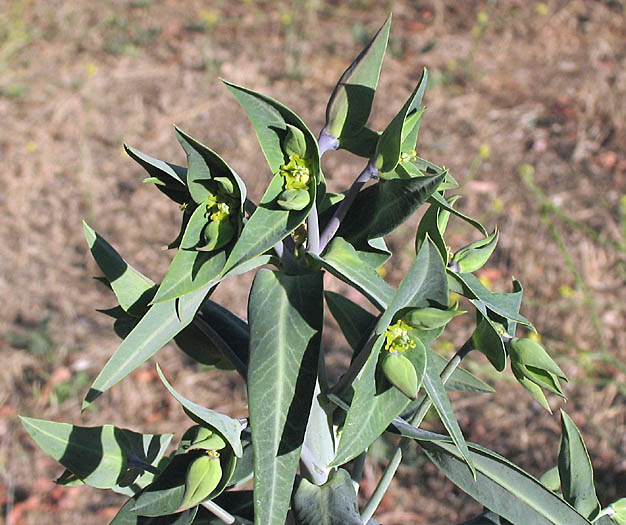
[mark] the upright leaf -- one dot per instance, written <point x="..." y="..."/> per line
<point x="162" y="322"/>
<point x="351" y="100"/>
<point x="575" y="470"/>
<point x="501" y="486"/>
<point x="99" y="456"/>
<point x="285" y="316"/>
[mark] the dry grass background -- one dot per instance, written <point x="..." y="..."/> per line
<point x="536" y="84"/>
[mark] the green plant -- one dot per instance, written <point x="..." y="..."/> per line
<point x="306" y="439"/>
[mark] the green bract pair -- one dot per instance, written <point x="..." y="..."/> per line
<point x="305" y="437"/>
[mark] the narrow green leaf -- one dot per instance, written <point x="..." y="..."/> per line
<point x="168" y="178"/>
<point x="228" y="427"/>
<point x="162" y="322"/>
<point x="333" y="503"/>
<point x="355" y="322"/>
<point x="381" y="208"/>
<point x="504" y="304"/>
<point x="438" y="200"/>
<point x="487" y="339"/>
<point x="343" y="261"/>
<point x="132" y="289"/>
<point x="502" y="486"/>
<point x="575" y="470"/>
<point x="375" y="404"/>
<point x="98" y="456"/>
<point x="461" y="380"/>
<point x="126" y="516"/>
<point x="351" y="100"/>
<point x="285" y="316"/>
<point x="390" y="143"/>
<point x="437" y="393"/>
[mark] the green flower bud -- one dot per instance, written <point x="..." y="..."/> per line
<point x="430" y="318"/>
<point x="217" y="233"/>
<point x="619" y="509"/>
<point x="199" y="437"/>
<point x="401" y="373"/>
<point x="203" y="476"/>
<point x="294" y="199"/>
<point x="295" y="142"/>
<point x="474" y="255"/>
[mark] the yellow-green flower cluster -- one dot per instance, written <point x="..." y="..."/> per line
<point x="408" y="156"/>
<point x="219" y="208"/>
<point x="296" y="173"/>
<point x="397" y="337"/>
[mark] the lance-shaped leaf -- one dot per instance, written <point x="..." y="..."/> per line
<point x="229" y="428"/>
<point x="390" y="142"/>
<point x="191" y="269"/>
<point x="351" y="100"/>
<point x="343" y="261"/>
<point x="575" y="470"/>
<point x="132" y="289"/>
<point x="333" y="503"/>
<point x="438" y="200"/>
<point x="381" y="208"/>
<point x="375" y="403"/>
<point x="162" y="322"/>
<point x="437" y="393"/>
<point x="126" y="516"/>
<point x="503" y="304"/>
<point x="487" y="338"/>
<point x="168" y="178"/>
<point x="501" y="486"/>
<point x="99" y="456"/>
<point x="285" y="317"/>
<point x="203" y="166"/>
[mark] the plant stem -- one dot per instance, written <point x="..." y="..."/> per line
<point x="416" y="421"/>
<point x="369" y="172"/>
<point x="316" y="473"/>
<point x="313" y="231"/>
<point x="218" y="511"/>
<point x="326" y="142"/>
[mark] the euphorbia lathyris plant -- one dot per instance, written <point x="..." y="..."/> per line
<point x="305" y="440"/>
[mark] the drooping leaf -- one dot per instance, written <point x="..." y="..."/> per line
<point x="438" y="200"/>
<point x="575" y="470"/>
<point x="133" y="290"/>
<point x="162" y="322"/>
<point x="285" y="317"/>
<point x="501" y="486"/>
<point x="333" y="503"/>
<point x="381" y="208"/>
<point x="487" y="339"/>
<point x="229" y="428"/>
<point x="343" y="261"/>
<point x="168" y="178"/>
<point x="437" y="393"/>
<point x="351" y="100"/>
<point x="99" y="456"/>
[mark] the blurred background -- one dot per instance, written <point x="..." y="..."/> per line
<point x="526" y="106"/>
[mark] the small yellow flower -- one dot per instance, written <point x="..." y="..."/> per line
<point x="296" y="173"/>
<point x="397" y="337"/>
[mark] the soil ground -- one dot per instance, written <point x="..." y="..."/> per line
<point x="517" y="88"/>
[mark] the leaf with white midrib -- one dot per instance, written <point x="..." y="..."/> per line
<point x="285" y="319"/>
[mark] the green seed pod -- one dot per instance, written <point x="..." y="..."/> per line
<point x="294" y="199"/>
<point x="475" y="255"/>
<point x="217" y="234"/>
<point x="295" y="142"/>
<point x="400" y="372"/>
<point x="430" y="318"/>
<point x="203" y="476"/>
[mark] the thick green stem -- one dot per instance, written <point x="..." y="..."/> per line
<point x="219" y="512"/>
<point x="416" y="421"/>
